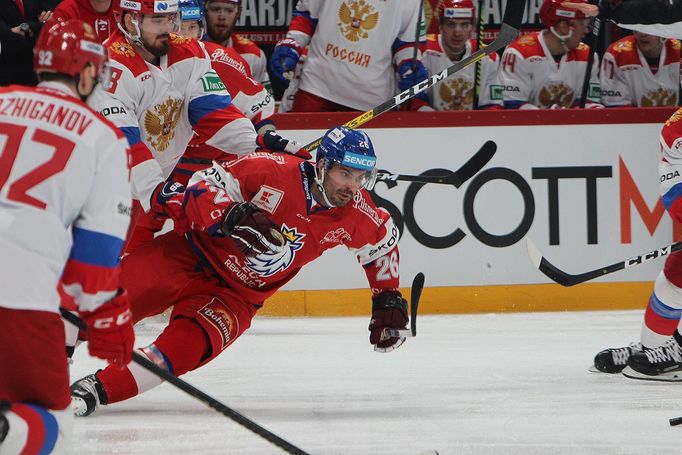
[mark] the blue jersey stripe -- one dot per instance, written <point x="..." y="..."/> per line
<point x="305" y="14"/>
<point x="663" y="310"/>
<point x="132" y="133"/>
<point x="204" y="105"/>
<point x="95" y="248"/>
<point x="672" y="194"/>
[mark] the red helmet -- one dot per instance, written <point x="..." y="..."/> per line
<point x="66" y="47"/>
<point x="146" y="6"/>
<point x="551" y="12"/>
<point x="457" y="9"/>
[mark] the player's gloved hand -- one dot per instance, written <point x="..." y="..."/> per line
<point x="110" y="330"/>
<point x="284" y="59"/>
<point x="389" y="311"/>
<point x="409" y="77"/>
<point x="273" y="142"/>
<point x="167" y="200"/>
<point x="252" y="231"/>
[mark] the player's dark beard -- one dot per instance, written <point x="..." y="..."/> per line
<point x="219" y="36"/>
<point x="158" y="48"/>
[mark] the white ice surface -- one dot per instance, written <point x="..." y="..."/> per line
<point x="472" y="384"/>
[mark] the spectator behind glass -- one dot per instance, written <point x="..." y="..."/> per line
<point x="97" y="13"/>
<point x="546" y="69"/>
<point x="20" y="23"/>
<point x="355" y="50"/>
<point x="641" y="70"/>
<point x="456" y="19"/>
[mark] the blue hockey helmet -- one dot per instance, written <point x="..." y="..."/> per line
<point x="350" y="148"/>
<point x="192" y="10"/>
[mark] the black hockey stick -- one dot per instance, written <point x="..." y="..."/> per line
<point x="511" y="23"/>
<point x="566" y="279"/>
<point x="596" y="26"/>
<point x="457" y="178"/>
<point x="675" y="421"/>
<point x="198" y="394"/>
<point x="415" y="294"/>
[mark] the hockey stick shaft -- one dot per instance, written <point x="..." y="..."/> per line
<point x="415" y="294"/>
<point x="457" y="178"/>
<point x="509" y="30"/>
<point x="198" y="394"/>
<point x="590" y="62"/>
<point x="566" y="279"/>
<point x="479" y="45"/>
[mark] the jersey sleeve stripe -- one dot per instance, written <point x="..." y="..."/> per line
<point x="303" y="22"/>
<point x="95" y="248"/>
<point x="205" y="105"/>
<point x="132" y="133"/>
<point x="671" y="195"/>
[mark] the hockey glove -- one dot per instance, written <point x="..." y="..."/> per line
<point x="284" y="59"/>
<point x="389" y="311"/>
<point x="110" y="330"/>
<point x="252" y="231"/>
<point x="409" y="77"/>
<point x="273" y="142"/>
<point x="166" y="202"/>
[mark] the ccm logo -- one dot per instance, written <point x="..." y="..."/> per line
<point x="107" y="323"/>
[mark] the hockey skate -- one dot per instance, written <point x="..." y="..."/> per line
<point x="613" y="360"/>
<point x="663" y="363"/>
<point x="87" y="394"/>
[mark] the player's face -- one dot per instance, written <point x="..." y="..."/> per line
<point x="581" y="28"/>
<point x="648" y="44"/>
<point x="220" y="20"/>
<point x="341" y="183"/>
<point x="155" y="31"/>
<point x="190" y="29"/>
<point x="455" y="33"/>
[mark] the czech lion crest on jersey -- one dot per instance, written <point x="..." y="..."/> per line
<point x="357" y="18"/>
<point x="271" y="263"/>
<point x="160" y="123"/>
<point x="457" y="94"/>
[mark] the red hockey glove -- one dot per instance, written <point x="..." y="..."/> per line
<point x="110" y="330"/>
<point x="389" y="311"/>
<point x="273" y="142"/>
<point x="252" y="231"/>
<point x="166" y="202"/>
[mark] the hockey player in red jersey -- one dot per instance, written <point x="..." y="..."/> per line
<point x="546" y="69"/>
<point x="221" y="19"/>
<point x="97" y="13"/>
<point x="64" y="212"/>
<point x="658" y="355"/>
<point x="456" y="19"/>
<point x="251" y="224"/>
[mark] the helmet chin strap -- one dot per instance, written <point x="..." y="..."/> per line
<point x="562" y="38"/>
<point x="319" y="182"/>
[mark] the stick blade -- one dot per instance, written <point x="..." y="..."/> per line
<point x="513" y="14"/>
<point x="548" y="269"/>
<point x="474" y="164"/>
<point x="415" y="295"/>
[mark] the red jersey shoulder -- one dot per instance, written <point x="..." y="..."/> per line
<point x="245" y="46"/>
<point x="121" y="51"/>
<point x="579" y="54"/>
<point x="672" y="128"/>
<point x="182" y="48"/>
<point x="433" y="44"/>
<point x="528" y="45"/>
<point x="227" y="56"/>
<point x="672" y="51"/>
<point x="624" y="51"/>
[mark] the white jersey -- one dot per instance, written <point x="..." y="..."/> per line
<point x="626" y="78"/>
<point x="457" y="92"/>
<point x="64" y="199"/>
<point x="532" y="79"/>
<point x="159" y="108"/>
<point x="353" y="47"/>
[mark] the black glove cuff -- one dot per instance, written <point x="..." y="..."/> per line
<point x="235" y="214"/>
<point x="389" y="299"/>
